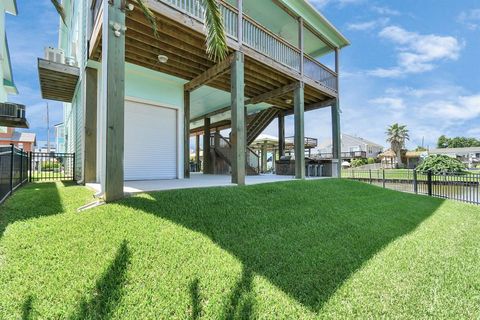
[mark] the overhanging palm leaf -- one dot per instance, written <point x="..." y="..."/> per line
<point x="216" y="41"/>
<point x="58" y="6"/>
<point x="149" y="15"/>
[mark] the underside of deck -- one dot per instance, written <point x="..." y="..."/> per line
<point x="181" y="39"/>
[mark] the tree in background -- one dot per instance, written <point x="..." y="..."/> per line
<point x="397" y="135"/>
<point x="420" y="148"/>
<point x="457" y="142"/>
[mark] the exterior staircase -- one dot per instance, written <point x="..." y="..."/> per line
<point x="223" y="150"/>
<point x="259" y="123"/>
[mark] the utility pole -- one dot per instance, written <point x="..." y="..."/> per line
<point x="48" y="130"/>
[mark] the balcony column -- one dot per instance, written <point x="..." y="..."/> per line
<point x="113" y="99"/>
<point x="197" y="152"/>
<point x="281" y="134"/>
<point x="301" y="45"/>
<point x="206" y="146"/>
<point x="299" y="123"/>
<point x="336" y="134"/>
<point x="90" y="150"/>
<point x="238" y="119"/>
<point x="186" y="134"/>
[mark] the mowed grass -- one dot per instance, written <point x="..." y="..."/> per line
<point x="293" y="250"/>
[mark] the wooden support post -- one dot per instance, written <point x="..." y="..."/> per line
<point x="264" y="158"/>
<point x="197" y="153"/>
<point x="240" y="23"/>
<point x="90" y="150"/>
<point x="238" y="119"/>
<point x="186" y="134"/>
<point x="206" y="146"/>
<point x="113" y="61"/>
<point x="281" y="134"/>
<point x="301" y="44"/>
<point x="299" y="132"/>
<point x="216" y="143"/>
<point x="336" y="133"/>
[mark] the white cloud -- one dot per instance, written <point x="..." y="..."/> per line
<point x="471" y="19"/>
<point x="391" y="103"/>
<point x="462" y="108"/>
<point x="384" y="10"/>
<point x="368" y="25"/>
<point x="417" y="53"/>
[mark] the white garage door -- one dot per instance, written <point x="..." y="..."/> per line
<point x="150" y="142"/>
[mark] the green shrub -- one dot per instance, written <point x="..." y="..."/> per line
<point x="439" y="164"/>
<point x="358" y="162"/>
<point x="50" y="166"/>
<point x="370" y="161"/>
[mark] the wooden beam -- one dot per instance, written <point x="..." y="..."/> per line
<point x="211" y="114"/>
<point x="299" y="123"/>
<point x="320" y="104"/>
<point x="272" y="94"/>
<point x="239" y="136"/>
<point x="90" y="150"/>
<point x="281" y="133"/>
<point x="209" y="75"/>
<point x="206" y="147"/>
<point x="186" y="134"/>
<point x="113" y="61"/>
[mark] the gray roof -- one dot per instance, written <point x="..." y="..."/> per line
<point x="455" y="150"/>
<point x="349" y="140"/>
<point x="21" y="137"/>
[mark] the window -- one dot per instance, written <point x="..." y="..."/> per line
<point x="3" y="129"/>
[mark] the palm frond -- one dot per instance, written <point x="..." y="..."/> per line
<point x="58" y="6"/>
<point x="216" y="40"/>
<point x="149" y="15"/>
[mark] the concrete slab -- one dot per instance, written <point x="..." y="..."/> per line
<point x="197" y="180"/>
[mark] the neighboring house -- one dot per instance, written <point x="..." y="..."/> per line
<point x="353" y="147"/>
<point x="11" y="114"/>
<point x="43" y="147"/>
<point x="22" y="140"/>
<point x="132" y="101"/>
<point x="469" y="156"/>
<point x="60" y="137"/>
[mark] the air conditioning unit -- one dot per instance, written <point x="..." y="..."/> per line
<point x="55" y="55"/>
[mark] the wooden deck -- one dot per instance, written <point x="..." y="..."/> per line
<point x="57" y="81"/>
<point x="181" y="38"/>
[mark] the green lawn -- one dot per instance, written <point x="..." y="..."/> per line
<point x="294" y="250"/>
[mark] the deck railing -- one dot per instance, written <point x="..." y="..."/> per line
<point x="262" y="40"/>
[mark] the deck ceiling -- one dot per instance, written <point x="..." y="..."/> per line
<point x="57" y="81"/>
<point x="186" y="51"/>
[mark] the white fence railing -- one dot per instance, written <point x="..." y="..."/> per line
<point x="263" y="41"/>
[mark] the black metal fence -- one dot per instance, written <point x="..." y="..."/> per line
<point x="461" y="187"/>
<point x="52" y="166"/>
<point x="14" y="164"/>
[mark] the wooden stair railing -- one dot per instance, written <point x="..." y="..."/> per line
<point x="256" y="126"/>
<point x="224" y="150"/>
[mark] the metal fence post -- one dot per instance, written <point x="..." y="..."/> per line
<point x="415" y="182"/>
<point x="73" y="176"/>
<point x="21" y="166"/>
<point x="30" y="166"/>
<point x="370" y="175"/>
<point x="12" y="150"/>
<point x="429" y="182"/>
<point x="383" y="177"/>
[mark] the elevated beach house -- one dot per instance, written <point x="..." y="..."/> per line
<point x="133" y="101"/>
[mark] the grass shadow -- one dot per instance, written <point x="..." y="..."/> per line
<point x="307" y="238"/>
<point x="240" y="302"/>
<point x="195" y="299"/>
<point x="31" y="201"/>
<point x="27" y="308"/>
<point x="108" y="290"/>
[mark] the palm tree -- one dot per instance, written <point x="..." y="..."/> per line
<point x="397" y="135"/>
<point x="216" y="40"/>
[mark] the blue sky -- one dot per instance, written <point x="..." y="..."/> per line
<point x="413" y="62"/>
